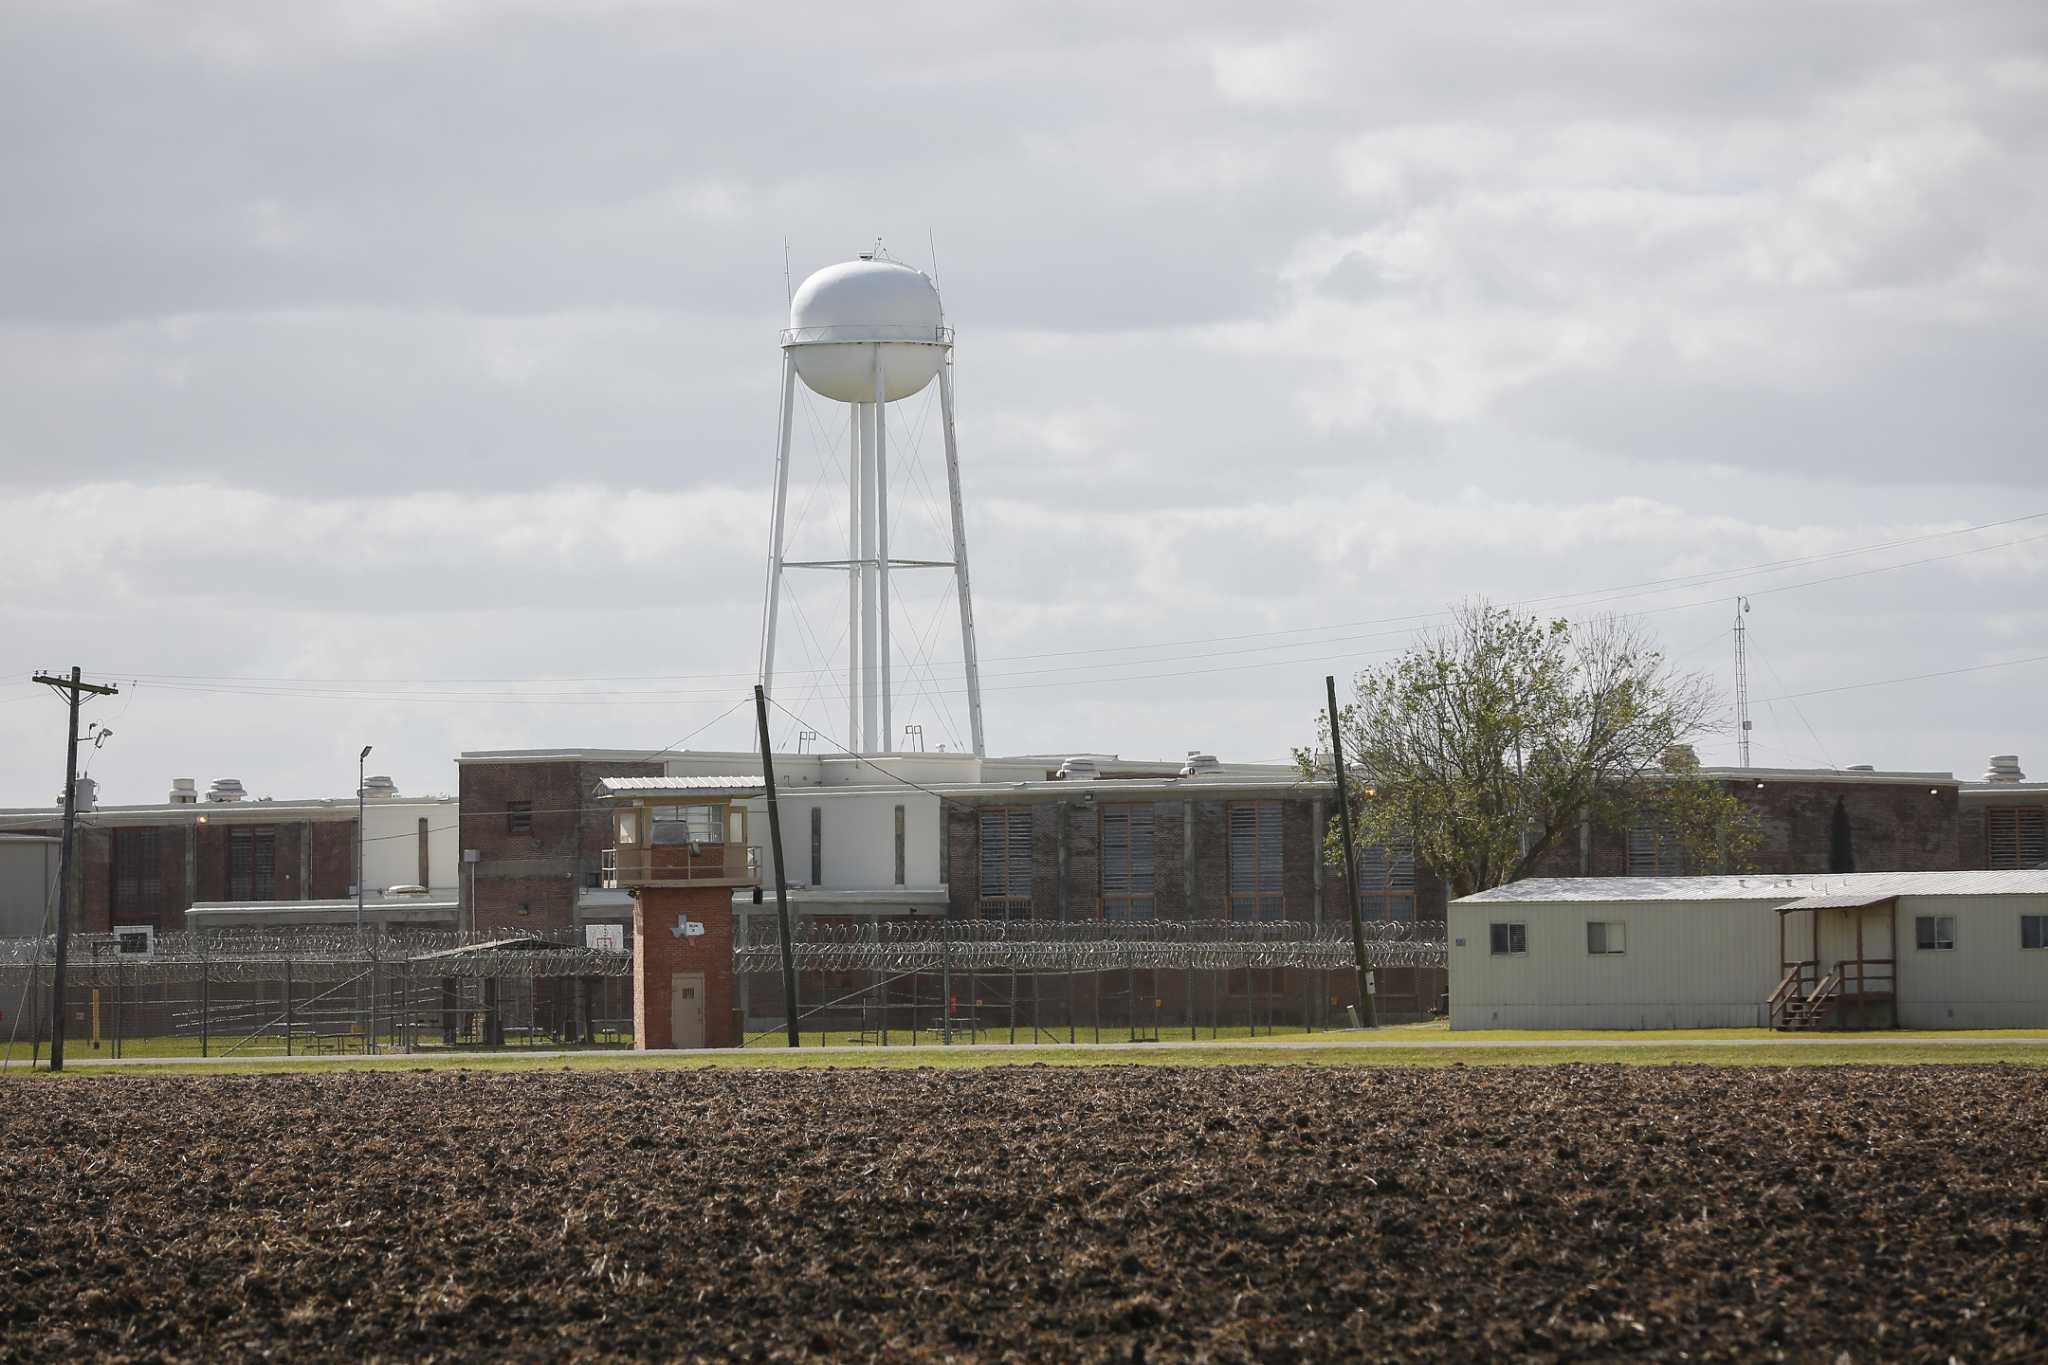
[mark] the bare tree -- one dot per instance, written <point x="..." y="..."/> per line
<point x="1487" y="744"/>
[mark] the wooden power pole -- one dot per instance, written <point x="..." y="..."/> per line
<point x="74" y="692"/>
<point x="1366" y="1013"/>
<point x="781" y="883"/>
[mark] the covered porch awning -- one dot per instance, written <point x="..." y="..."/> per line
<point x="1844" y="901"/>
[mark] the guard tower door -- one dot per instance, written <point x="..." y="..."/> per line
<point x="686" y="1009"/>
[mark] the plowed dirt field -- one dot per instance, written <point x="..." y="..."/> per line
<point x="1577" y="1212"/>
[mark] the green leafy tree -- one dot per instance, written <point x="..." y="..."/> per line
<point x="1486" y="745"/>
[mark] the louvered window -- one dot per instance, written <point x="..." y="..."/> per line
<point x="138" y="876"/>
<point x="1006" y="861"/>
<point x="1255" y="863"/>
<point x="1386" y="882"/>
<point x="1652" y="852"/>
<point x="252" y="864"/>
<point x="2016" y="836"/>
<point x="1127" y="862"/>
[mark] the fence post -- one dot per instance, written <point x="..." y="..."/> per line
<point x="946" y="984"/>
<point x="205" y="1010"/>
<point x="287" y="1004"/>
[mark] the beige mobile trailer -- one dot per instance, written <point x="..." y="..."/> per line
<point x="1915" y="949"/>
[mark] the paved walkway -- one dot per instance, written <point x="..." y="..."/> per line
<point x="1362" y="1042"/>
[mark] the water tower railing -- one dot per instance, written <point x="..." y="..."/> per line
<point x="860" y="332"/>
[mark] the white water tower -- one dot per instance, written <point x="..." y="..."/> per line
<point x="868" y="333"/>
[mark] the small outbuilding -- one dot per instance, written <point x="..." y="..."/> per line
<point x="1868" y="950"/>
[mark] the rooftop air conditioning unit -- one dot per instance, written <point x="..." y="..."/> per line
<point x="226" y="790"/>
<point x="1200" y="765"/>
<point x="184" y="792"/>
<point x="1080" y="770"/>
<point x="2004" y="768"/>
<point x="379" y="788"/>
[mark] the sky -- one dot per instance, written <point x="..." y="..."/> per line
<point x="405" y="374"/>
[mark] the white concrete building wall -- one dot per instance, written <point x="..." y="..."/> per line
<point x="28" y="881"/>
<point x="857" y="838"/>
<point x="1987" y="980"/>
<point x="391" y="843"/>
<point x="1685" y="964"/>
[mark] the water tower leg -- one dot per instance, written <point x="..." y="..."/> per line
<point x="774" y="594"/>
<point x="854" y="551"/>
<point x="888" y="735"/>
<point x="967" y="651"/>
<point x="870" y="601"/>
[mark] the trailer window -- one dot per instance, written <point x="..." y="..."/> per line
<point x="2034" y="931"/>
<point x="1510" y="939"/>
<point x="1606" y="936"/>
<point x="1935" y="933"/>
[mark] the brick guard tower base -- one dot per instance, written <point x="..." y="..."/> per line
<point x="683" y="981"/>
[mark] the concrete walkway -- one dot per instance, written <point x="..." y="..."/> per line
<point x="1346" y="1040"/>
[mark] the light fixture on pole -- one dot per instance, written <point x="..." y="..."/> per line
<point x="361" y="759"/>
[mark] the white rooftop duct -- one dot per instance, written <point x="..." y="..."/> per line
<point x="2004" y="768"/>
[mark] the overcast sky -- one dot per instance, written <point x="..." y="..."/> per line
<point x="405" y="373"/>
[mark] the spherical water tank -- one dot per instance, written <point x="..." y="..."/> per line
<point x="839" y="317"/>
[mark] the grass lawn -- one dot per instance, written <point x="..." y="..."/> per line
<point x="1337" y="1055"/>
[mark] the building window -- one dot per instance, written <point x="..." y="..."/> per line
<point x="138" y="876"/>
<point x="1386" y="882"/>
<point x="2016" y="836"/>
<point x="1508" y="939"/>
<point x="1255" y="860"/>
<point x="1935" y="933"/>
<point x="1652" y="852"/>
<point x="2034" y="931"/>
<point x="252" y="864"/>
<point x="1006" y="860"/>
<point x="519" y="817"/>
<point x="899" y="846"/>
<point x="817" y="845"/>
<point x="686" y="824"/>
<point x="1128" y="863"/>
<point x="1606" y="937"/>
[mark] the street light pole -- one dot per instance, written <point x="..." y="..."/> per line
<point x="361" y="758"/>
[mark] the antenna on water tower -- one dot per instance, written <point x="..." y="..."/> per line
<point x="1742" y="680"/>
<point x="868" y="333"/>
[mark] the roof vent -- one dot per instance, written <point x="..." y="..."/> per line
<point x="1079" y="770"/>
<point x="184" y="792"/>
<point x="1860" y="768"/>
<point x="407" y="889"/>
<point x="379" y="788"/>
<point x="226" y="790"/>
<point x="1200" y="765"/>
<point x="2004" y="768"/>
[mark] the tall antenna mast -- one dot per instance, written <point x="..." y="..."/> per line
<point x="1742" y="680"/>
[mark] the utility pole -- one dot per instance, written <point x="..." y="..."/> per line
<point x="1366" y="1013"/>
<point x="73" y="691"/>
<point x="781" y="884"/>
<point x="1742" y="679"/>
<point x="361" y="758"/>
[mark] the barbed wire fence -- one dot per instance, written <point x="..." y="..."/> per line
<point x="245" y="993"/>
<point x="1051" y="980"/>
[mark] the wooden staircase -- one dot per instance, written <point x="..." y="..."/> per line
<point x="1798" y="1007"/>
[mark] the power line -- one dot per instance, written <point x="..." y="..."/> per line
<point x="1912" y="677"/>
<point x="1596" y="597"/>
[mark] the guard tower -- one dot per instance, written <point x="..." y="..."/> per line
<point x="681" y="846"/>
<point x="868" y="333"/>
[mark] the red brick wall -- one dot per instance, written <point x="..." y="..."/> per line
<point x="658" y="954"/>
<point x="334" y="859"/>
<point x="530" y="880"/>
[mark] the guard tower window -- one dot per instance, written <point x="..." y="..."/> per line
<point x="1128" y="863"/>
<point x="687" y="824"/>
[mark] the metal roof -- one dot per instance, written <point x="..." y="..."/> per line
<point x="1581" y="890"/>
<point x="741" y="784"/>
<point x="1848" y="900"/>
